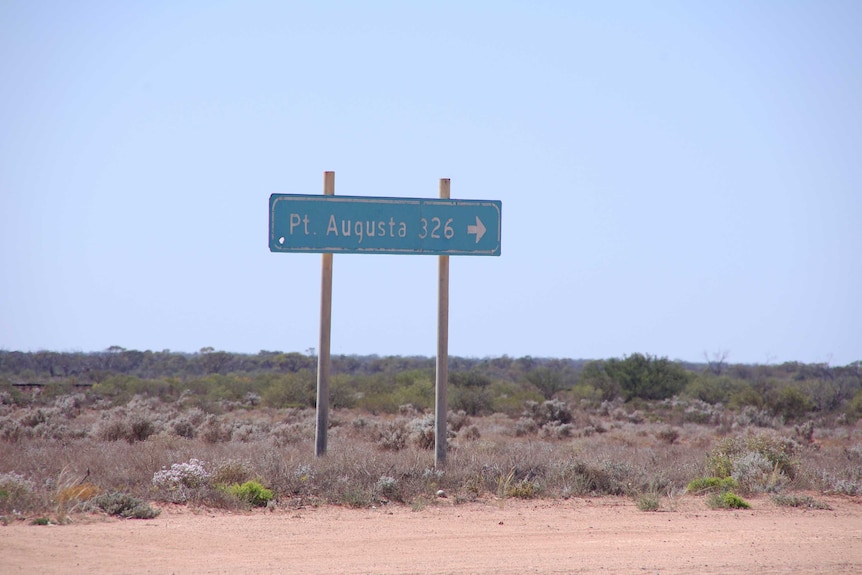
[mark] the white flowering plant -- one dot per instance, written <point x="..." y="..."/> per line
<point x="179" y="483"/>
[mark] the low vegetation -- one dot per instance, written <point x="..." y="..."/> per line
<point x="648" y="502"/>
<point x="123" y="431"/>
<point x="727" y="500"/>
<point x="711" y="484"/>
<point x="251" y="492"/>
<point x="797" y="500"/>
<point x="124" y="505"/>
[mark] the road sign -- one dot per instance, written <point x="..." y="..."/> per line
<point x="354" y="224"/>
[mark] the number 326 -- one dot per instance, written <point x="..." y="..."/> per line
<point x="436" y="224"/>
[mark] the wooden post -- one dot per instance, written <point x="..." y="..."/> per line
<point x="440" y="402"/>
<point x="323" y="359"/>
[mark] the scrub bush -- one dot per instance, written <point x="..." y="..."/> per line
<point x="550" y="419"/>
<point x="124" y="505"/>
<point x="759" y="462"/>
<point x="251" y="492"/>
<point x="179" y="483"/>
<point x="16" y="491"/>
<point x="646" y="377"/>
<point x="648" y="502"/>
<point x="793" y="500"/>
<point x="727" y="500"/>
<point x="230" y="472"/>
<point x="509" y="486"/>
<point x="422" y="432"/>
<point x="711" y="484"/>
<point x="387" y="487"/>
<point x="392" y="435"/>
<point x="669" y="435"/>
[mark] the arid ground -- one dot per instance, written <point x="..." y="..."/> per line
<point x="592" y="535"/>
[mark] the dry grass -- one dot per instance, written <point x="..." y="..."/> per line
<point x="57" y="458"/>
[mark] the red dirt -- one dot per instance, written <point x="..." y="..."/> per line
<point x="606" y="535"/>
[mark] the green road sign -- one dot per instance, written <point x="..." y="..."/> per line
<point x="360" y="225"/>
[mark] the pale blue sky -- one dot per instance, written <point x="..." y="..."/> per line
<point x="677" y="178"/>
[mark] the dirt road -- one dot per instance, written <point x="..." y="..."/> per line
<point x="605" y="535"/>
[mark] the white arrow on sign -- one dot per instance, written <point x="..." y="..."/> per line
<point x="478" y="229"/>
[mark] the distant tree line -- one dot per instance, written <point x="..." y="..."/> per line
<point x="97" y="366"/>
<point x="477" y="385"/>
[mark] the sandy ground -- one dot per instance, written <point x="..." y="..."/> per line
<point x="607" y="535"/>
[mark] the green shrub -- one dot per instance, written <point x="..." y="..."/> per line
<point x="509" y="398"/>
<point x="645" y="377"/>
<point x="251" y="492"/>
<point x="745" y="396"/>
<point x="791" y="403"/>
<point x="727" y="500"/>
<point x="595" y="376"/>
<point x="290" y="390"/>
<point x="419" y="394"/>
<point x="342" y="393"/>
<point x="547" y="381"/>
<point x="711" y="484"/>
<point x="711" y="389"/>
<point x="471" y="400"/>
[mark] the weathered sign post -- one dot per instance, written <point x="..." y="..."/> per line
<point x="441" y="380"/>
<point x="323" y="360"/>
<point x="331" y="224"/>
